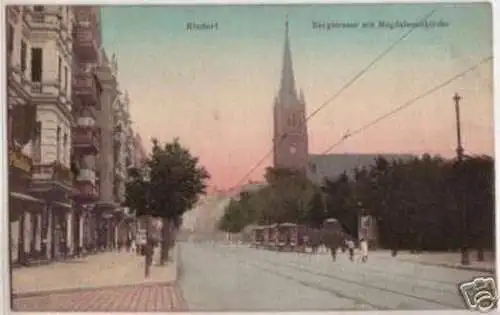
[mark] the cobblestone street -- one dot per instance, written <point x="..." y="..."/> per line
<point x="112" y="281"/>
<point x="135" y="298"/>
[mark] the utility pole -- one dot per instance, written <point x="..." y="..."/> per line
<point x="460" y="157"/>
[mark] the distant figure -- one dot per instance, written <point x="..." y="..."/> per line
<point x="314" y="240"/>
<point x="350" y="248"/>
<point x="148" y="251"/>
<point x="363" y="243"/>
<point x="129" y="244"/>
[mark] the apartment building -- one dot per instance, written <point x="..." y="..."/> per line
<point x="122" y="158"/>
<point x="86" y="97"/>
<point x="122" y="125"/>
<point x="62" y="89"/>
<point x="39" y="49"/>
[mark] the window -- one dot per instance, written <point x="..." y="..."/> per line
<point x="58" y="144"/>
<point x="38" y="8"/>
<point x="10" y="39"/>
<point x="23" y="56"/>
<point x="65" y="78"/>
<point x="59" y="66"/>
<point x="65" y="146"/>
<point x="37" y="145"/>
<point x="36" y="64"/>
<point x="9" y="126"/>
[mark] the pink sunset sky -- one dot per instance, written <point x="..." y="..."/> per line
<point x="215" y="92"/>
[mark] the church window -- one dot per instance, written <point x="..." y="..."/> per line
<point x="292" y="120"/>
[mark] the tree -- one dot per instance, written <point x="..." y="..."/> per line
<point x="172" y="186"/>
<point x="286" y="198"/>
<point x="316" y="214"/>
<point x="136" y="192"/>
<point x="234" y="218"/>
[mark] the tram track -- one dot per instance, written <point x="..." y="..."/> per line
<point x="452" y="300"/>
<point x="381" y="288"/>
<point x="312" y="285"/>
<point x="431" y="281"/>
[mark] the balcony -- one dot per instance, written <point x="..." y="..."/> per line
<point x="86" y="191"/>
<point x="86" y="175"/>
<point x="20" y="161"/>
<point x="85" y="41"/>
<point x="54" y="172"/>
<point x="45" y="20"/>
<point x="51" y="91"/>
<point x="86" y="140"/>
<point x="84" y="86"/>
<point x="86" y="122"/>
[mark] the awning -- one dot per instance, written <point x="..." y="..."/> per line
<point x="25" y="197"/>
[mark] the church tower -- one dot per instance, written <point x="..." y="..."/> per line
<point x="290" y="145"/>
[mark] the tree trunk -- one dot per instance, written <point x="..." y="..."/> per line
<point x="480" y="254"/>
<point x="166" y="242"/>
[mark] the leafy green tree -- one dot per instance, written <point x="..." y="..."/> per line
<point x="136" y="190"/>
<point x="234" y="218"/>
<point x="418" y="202"/>
<point x="170" y="185"/>
<point x="316" y="214"/>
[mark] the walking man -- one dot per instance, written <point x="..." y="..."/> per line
<point x="350" y="247"/>
<point x="363" y="243"/>
<point x="148" y="251"/>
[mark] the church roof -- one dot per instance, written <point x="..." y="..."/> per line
<point x="333" y="165"/>
<point x="287" y="91"/>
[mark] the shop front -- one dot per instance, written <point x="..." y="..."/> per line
<point x="24" y="212"/>
<point x="53" y="184"/>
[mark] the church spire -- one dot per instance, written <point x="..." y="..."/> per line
<point x="287" y="92"/>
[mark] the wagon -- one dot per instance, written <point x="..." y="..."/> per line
<point x="258" y="237"/>
<point x="287" y="236"/>
<point x="333" y="235"/>
<point x="272" y="240"/>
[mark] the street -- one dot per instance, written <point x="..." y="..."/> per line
<point x="217" y="277"/>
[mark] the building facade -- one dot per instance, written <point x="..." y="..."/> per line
<point x="123" y="156"/>
<point x="61" y="92"/>
<point x="40" y="58"/>
<point x="290" y="139"/>
<point x="86" y="134"/>
<point x="21" y="130"/>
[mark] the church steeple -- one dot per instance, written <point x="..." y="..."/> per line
<point x="287" y="91"/>
<point x="290" y="142"/>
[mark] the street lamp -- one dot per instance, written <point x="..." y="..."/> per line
<point x="460" y="157"/>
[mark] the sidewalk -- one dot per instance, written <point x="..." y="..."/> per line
<point x="443" y="259"/>
<point x="102" y="270"/>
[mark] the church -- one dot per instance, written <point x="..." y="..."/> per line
<point x="290" y="139"/>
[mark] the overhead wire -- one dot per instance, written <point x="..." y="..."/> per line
<point x="406" y="104"/>
<point x="344" y="87"/>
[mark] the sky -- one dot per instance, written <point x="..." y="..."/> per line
<point x="214" y="89"/>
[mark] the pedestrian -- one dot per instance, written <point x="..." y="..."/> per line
<point x="363" y="243"/>
<point x="350" y="247"/>
<point x="148" y="250"/>
<point x="129" y="244"/>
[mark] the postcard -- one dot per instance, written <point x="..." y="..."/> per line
<point x="250" y="157"/>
